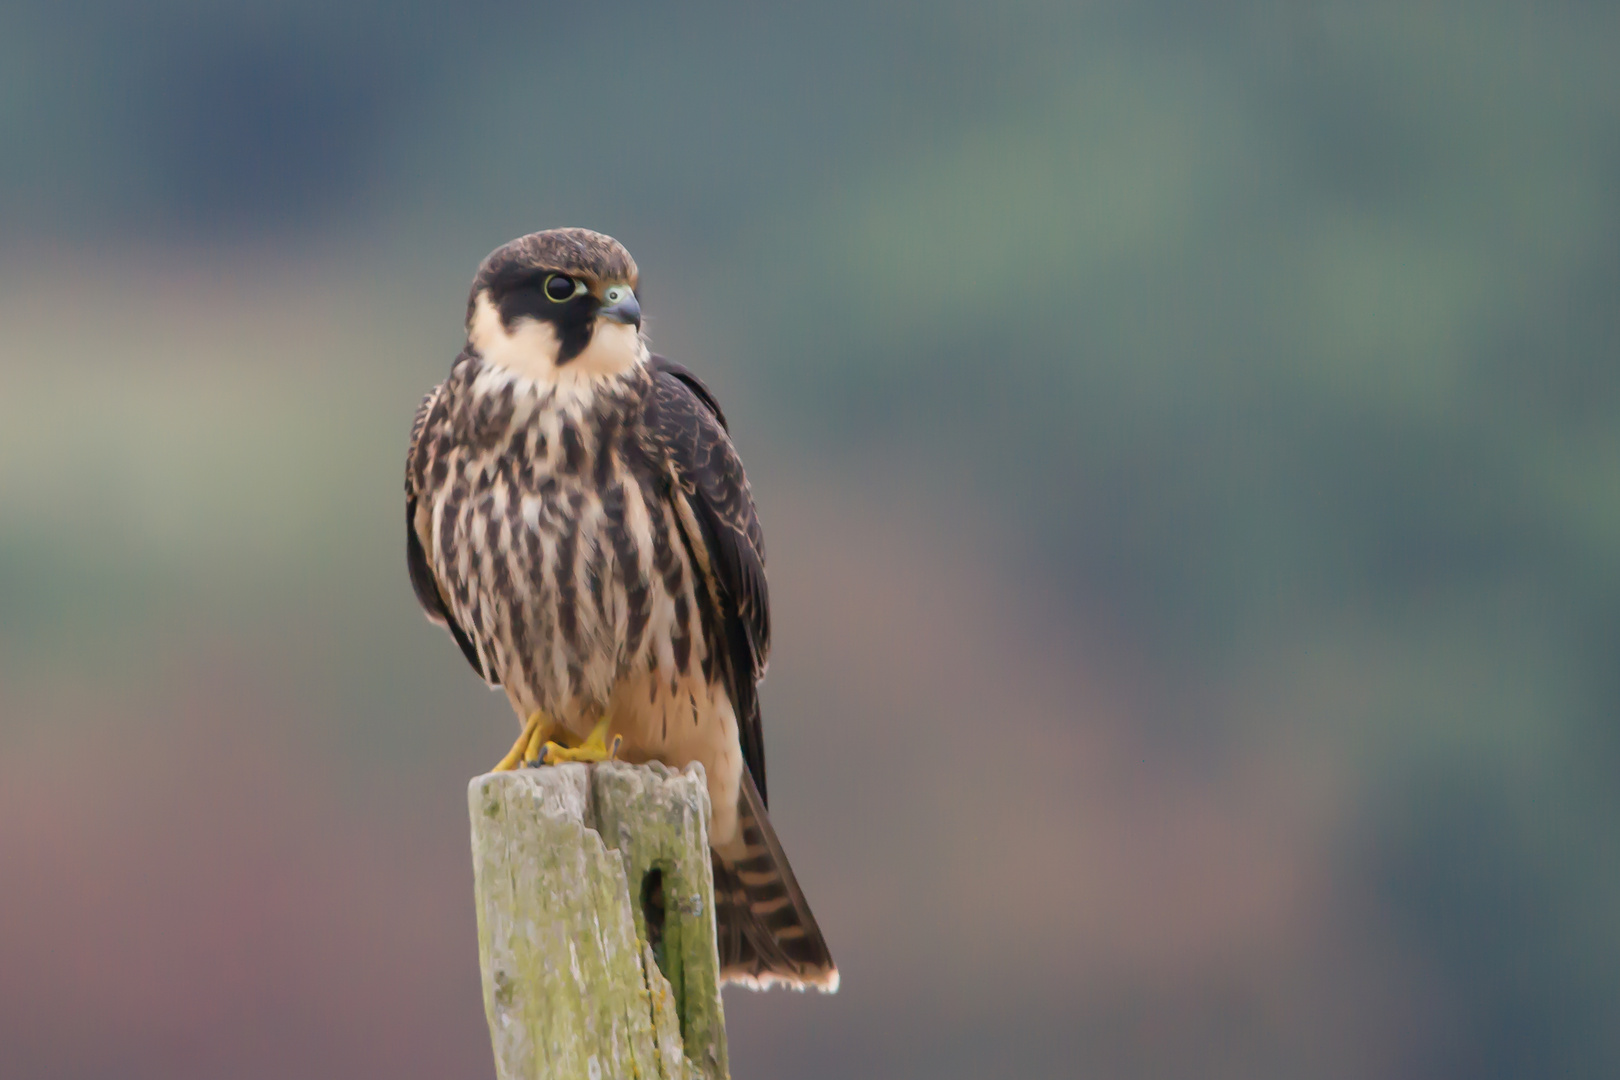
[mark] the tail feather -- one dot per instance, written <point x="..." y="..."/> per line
<point x="767" y="935"/>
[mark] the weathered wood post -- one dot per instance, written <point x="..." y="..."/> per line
<point x="596" y="922"/>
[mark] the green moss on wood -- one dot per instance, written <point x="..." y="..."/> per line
<point x="571" y="987"/>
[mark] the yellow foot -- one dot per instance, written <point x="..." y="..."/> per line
<point x="527" y="748"/>
<point x="594" y="748"/>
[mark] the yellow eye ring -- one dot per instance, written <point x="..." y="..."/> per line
<point x="561" y="283"/>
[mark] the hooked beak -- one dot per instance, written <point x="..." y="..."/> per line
<point x="625" y="310"/>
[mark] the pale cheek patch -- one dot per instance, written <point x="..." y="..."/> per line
<point x="530" y="349"/>
<point x="614" y="349"/>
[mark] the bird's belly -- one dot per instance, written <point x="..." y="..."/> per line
<point x="570" y="632"/>
<point x="580" y="596"/>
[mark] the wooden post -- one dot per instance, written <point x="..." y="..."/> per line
<point x="596" y="922"/>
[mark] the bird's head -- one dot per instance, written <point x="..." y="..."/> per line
<point x="563" y="300"/>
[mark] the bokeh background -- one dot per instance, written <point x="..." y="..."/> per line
<point x="1188" y="438"/>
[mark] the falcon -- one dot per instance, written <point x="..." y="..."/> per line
<point x="579" y="520"/>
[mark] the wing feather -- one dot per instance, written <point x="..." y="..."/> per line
<point x="686" y="421"/>
<point x="418" y="531"/>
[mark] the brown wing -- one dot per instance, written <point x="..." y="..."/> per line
<point x="687" y="424"/>
<point x="765" y="932"/>
<point x="663" y="365"/>
<point x="418" y="527"/>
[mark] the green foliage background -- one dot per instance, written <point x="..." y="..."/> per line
<point x="1268" y="354"/>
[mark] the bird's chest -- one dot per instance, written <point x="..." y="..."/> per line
<point x="563" y="558"/>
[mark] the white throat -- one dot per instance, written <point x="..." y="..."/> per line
<point x="530" y="348"/>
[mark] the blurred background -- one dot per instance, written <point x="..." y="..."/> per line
<point x="1188" y="438"/>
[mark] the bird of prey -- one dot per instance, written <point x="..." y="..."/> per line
<point x="579" y="520"/>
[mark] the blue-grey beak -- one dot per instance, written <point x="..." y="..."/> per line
<point x="619" y="304"/>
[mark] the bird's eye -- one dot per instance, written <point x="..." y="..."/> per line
<point x="560" y="287"/>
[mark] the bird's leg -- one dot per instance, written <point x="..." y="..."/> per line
<point x="594" y="748"/>
<point x="527" y="748"/>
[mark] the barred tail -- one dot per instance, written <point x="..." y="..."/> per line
<point x="767" y="935"/>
